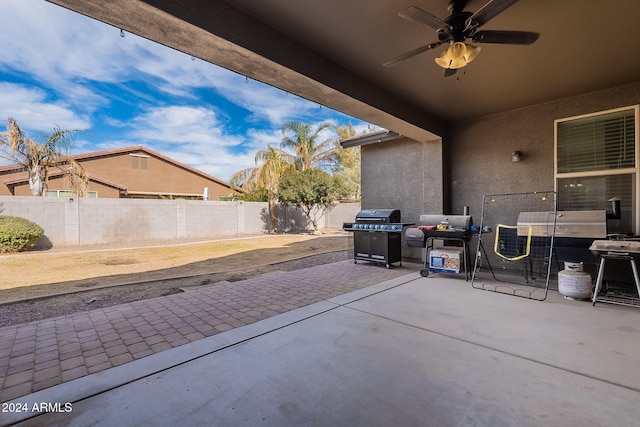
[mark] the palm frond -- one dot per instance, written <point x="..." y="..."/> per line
<point x="303" y="140"/>
<point x="37" y="158"/>
<point x="77" y="177"/>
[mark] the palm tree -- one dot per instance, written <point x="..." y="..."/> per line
<point x="37" y="158"/>
<point x="302" y="139"/>
<point x="264" y="178"/>
<point x="347" y="166"/>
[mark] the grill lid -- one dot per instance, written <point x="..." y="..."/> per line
<point x="378" y="216"/>
<point x="576" y="224"/>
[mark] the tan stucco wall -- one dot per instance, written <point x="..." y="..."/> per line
<point x="478" y="154"/>
<point x="160" y="176"/>
<point x="403" y="174"/>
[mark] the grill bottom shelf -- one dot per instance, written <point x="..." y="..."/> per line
<point x="620" y="300"/>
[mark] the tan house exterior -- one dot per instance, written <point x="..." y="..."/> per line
<point x="130" y="172"/>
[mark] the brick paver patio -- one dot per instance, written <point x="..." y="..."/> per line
<point x="37" y="355"/>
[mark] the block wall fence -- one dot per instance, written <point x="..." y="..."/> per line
<point x="81" y="221"/>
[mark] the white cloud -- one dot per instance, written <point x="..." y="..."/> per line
<point x="68" y="51"/>
<point x="170" y="99"/>
<point x="59" y="47"/>
<point x="31" y="109"/>
<point x="217" y="162"/>
<point x="257" y="139"/>
<point x="266" y="102"/>
<point x="185" y="124"/>
<point x="194" y="136"/>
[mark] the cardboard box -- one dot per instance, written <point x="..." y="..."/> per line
<point x="442" y="261"/>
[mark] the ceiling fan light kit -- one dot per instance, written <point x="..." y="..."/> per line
<point x="457" y="28"/>
<point x="457" y="55"/>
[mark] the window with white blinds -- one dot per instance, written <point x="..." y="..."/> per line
<point x="596" y="161"/>
<point x="602" y="142"/>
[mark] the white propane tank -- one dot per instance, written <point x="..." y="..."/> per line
<point x="574" y="282"/>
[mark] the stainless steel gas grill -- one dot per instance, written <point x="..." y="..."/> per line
<point x="377" y="236"/>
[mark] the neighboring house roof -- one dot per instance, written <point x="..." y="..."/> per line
<point x="25" y="178"/>
<point x="137" y="148"/>
<point x="11" y="168"/>
<point x="108" y="153"/>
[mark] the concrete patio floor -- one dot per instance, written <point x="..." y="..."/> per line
<point x="404" y="352"/>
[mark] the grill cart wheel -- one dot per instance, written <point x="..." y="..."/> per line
<point x="424" y="272"/>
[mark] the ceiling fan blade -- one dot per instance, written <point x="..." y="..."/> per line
<point x="487" y="12"/>
<point x="505" y="37"/>
<point x="450" y="72"/>
<point x="419" y="16"/>
<point x="411" y="54"/>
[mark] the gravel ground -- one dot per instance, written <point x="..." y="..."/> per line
<point x="48" y="307"/>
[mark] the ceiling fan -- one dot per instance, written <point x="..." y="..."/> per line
<point x="457" y="28"/>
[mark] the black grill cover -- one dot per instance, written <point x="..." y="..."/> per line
<point x="378" y="216"/>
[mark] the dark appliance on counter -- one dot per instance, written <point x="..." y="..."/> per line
<point x="377" y="236"/>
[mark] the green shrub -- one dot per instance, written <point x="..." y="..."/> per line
<point x="18" y="234"/>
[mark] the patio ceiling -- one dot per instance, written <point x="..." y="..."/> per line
<point x="332" y="51"/>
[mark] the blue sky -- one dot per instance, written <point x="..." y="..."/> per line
<point x="60" y="68"/>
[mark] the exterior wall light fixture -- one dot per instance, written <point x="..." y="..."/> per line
<point x="515" y="156"/>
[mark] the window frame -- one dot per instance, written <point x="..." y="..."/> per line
<point x="68" y="193"/>
<point x="604" y="172"/>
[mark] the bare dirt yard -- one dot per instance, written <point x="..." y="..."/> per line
<point x="42" y="284"/>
